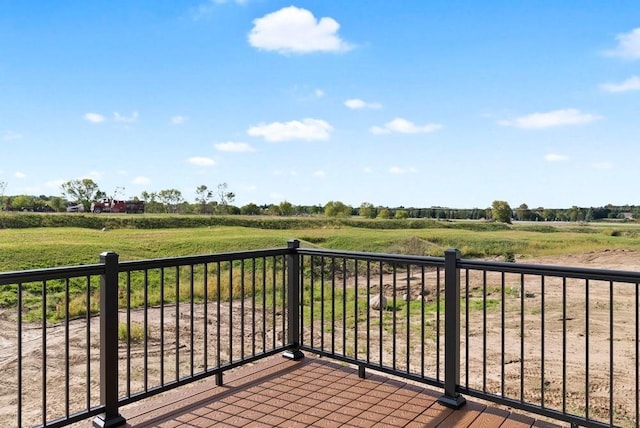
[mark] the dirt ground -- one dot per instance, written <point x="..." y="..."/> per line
<point x="174" y="352"/>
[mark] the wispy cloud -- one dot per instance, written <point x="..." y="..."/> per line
<point x="117" y="117"/>
<point x="404" y="126"/>
<point x="295" y="30"/>
<point x="319" y="173"/>
<point x="20" y="175"/>
<point x="306" y="129"/>
<point x="631" y="84"/>
<point x="94" y="117"/>
<point x="235" y="147"/>
<point x="628" y="45"/>
<point x="549" y="119"/>
<point x="554" y="157"/>
<point x="178" y="120"/>
<point x="358" y="104"/>
<point x="201" y="161"/>
<point x="10" y="136"/>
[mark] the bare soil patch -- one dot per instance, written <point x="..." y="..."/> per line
<point x="171" y="347"/>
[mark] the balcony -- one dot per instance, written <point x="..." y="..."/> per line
<point x="115" y="338"/>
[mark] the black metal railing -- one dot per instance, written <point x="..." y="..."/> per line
<point x="80" y="342"/>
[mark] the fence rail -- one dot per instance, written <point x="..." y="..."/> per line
<point x="79" y="342"/>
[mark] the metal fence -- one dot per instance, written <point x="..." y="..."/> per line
<point x="558" y="341"/>
<point x="78" y="342"/>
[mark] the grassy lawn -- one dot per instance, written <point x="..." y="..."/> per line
<point x="44" y="247"/>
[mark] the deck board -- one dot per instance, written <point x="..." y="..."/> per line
<point x="315" y="392"/>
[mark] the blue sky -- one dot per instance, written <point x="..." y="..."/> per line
<point x="396" y="103"/>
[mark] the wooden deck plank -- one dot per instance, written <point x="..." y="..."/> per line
<point x="491" y="417"/>
<point x="318" y="392"/>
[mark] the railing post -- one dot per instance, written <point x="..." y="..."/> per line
<point x="451" y="397"/>
<point x="293" y="302"/>
<point x="109" y="343"/>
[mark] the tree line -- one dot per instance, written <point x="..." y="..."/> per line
<point x="219" y="200"/>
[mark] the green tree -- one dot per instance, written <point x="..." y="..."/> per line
<point x="250" y="209"/>
<point x="57" y="203"/>
<point x="384" y="213"/>
<point x="203" y="196"/>
<point x="224" y="198"/>
<point x="523" y="213"/>
<point x="401" y="214"/>
<point x="367" y="210"/>
<point x="286" y="208"/>
<point x="171" y="198"/>
<point x="337" y="209"/>
<point x="501" y="211"/>
<point x="82" y="191"/>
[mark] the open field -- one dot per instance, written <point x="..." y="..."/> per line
<point x="603" y="246"/>
<point x="42" y="247"/>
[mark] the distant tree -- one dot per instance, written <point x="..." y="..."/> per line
<point x="57" y="203"/>
<point x="250" y="209"/>
<point x="367" y="210"/>
<point x="82" y="191"/>
<point x="337" y="209"/>
<point x="523" y="213"/>
<point x="401" y="214"/>
<point x="549" y="214"/>
<point x="384" y="213"/>
<point x="576" y="213"/>
<point x="171" y="198"/>
<point x="501" y="211"/>
<point x="286" y="208"/>
<point x="22" y="202"/>
<point x="271" y="209"/>
<point x="589" y="215"/>
<point x="203" y="196"/>
<point x="224" y="197"/>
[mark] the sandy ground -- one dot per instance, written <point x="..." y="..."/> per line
<point x="532" y="367"/>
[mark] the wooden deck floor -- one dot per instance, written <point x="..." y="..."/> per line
<point x="312" y="392"/>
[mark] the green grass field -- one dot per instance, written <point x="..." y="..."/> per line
<point x="43" y="247"/>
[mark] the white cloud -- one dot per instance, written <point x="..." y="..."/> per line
<point x="19" y="174"/>
<point x="319" y="93"/>
<point x="201" y="161"/>
<point x="602" y="165"/>
<point x="117" y="117"/>
<point x="10" y="136"/>
<point x="631" y="84"/>
<point x="178" y="120"/>
<point x="94" y="117"/>
<point x="357" y="104"/>
<point x="367" y="170"/>
<point x="307" y="129"/>
<point x="399" y="170"/>
<point x="404" y="126"/>
<point x="628" y="45"/>
<point x="319" y="173"/>
<point x="554" y="157"/>
<point x="231" y="146"/>
<point x="141" y="180"/>
<point x="569" y="116"/>
<point x="296" y="30"/>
